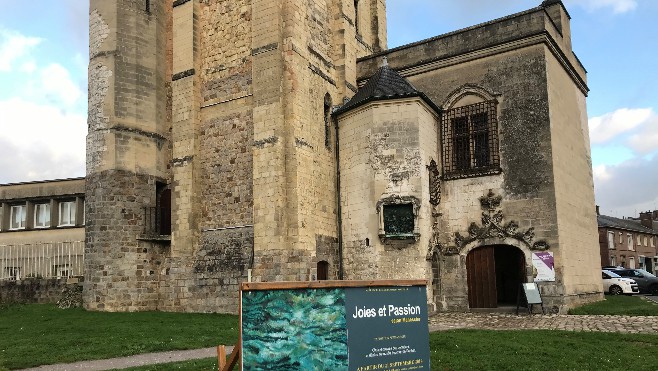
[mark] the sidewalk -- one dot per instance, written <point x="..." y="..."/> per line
<point x="437" y="322"/>
<point x="136" y="360"/>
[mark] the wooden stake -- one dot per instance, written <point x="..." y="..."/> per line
<point x="221" y="357"/>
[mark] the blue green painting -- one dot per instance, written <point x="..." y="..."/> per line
<point x="294" y="330"/>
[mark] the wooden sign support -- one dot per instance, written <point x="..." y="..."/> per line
<point x="227" y="365"/>
<point x="531" y="295"/>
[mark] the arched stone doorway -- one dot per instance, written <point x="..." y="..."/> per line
<point x="494" y="275"/>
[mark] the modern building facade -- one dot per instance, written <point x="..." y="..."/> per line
<point x="42" y="229"/>
<point x="281" y="141"/>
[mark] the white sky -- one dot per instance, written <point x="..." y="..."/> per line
<point x="43" y="75"/>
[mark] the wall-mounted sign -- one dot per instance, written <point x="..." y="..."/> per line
<point x="543" y="265"/>
<point x="335" y="325"/>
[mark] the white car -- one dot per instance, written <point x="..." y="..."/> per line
<point x="615" y="284"/>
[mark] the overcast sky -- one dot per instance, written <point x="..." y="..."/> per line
<point x="43" y="89"/>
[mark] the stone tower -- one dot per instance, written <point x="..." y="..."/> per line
<point x="224" y="105"/>
<point x="127" y="149"/>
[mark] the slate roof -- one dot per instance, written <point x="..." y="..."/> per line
<point x="385" y="84"/>
<point x="625" y="224"/>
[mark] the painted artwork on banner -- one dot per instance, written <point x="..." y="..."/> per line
<point x="294" y="330"/>
<point x="350" y="328"/>
<point x="544" y="266"/>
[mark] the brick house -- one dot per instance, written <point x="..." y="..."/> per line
<point x="630" y="243"/>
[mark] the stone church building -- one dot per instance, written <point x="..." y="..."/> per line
<point x="273" y="140"/>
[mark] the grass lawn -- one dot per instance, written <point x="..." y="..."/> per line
<point x="620" y="305"/>
<point x="32" y="335"/>
<point x="521" y="350"/>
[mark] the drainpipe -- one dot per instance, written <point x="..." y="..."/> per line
<point x="338" y="206"/>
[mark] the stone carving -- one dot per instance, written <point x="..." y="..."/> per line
<point x="435" y="183"/>
<point x="494" y="227"/>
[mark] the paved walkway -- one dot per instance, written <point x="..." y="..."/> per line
<point x="137" y="360"/>
<point x="438" y="322"/>
<point x="504" y="321"/>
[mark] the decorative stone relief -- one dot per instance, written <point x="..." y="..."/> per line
<point x="435" y="183"/>
<point x="494" y="227"/>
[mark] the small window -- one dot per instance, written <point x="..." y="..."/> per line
<point x="356" y="16"/>
<point x="653" y="241"/>
<point x="613" y="261"/>
<point x="631" y="262"/>
<point x="611" y="240"/>
<point x="621" y="240"/>
<point x="646" y="241"/>
<point x="63" y="271"/>
<point x="630" y="241"/>
<point x="398" y="217"/>
<point x="13" y="273"/>
<point x="17" y="217"/>
<point x="67" y="213"/>
<point x="327" y="120"/>
<point x="399" y="220"/>
<point x="41" y="215"/>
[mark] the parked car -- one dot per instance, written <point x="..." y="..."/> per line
<point x="647" y="282"/>
<point x="615" y="284"/>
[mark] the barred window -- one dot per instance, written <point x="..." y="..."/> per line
<point x="470" y="141"/>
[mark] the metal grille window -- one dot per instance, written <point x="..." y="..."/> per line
<point x="470" y="141"/>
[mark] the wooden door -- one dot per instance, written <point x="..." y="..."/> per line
<point x="481" y="278"/>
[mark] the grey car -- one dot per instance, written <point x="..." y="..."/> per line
<point x="647" y="282"/>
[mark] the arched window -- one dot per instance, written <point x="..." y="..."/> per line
<point x="327" y="120"/>
<point x="469" y="134"/>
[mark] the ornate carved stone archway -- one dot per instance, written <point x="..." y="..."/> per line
<point x="493" y="227"/>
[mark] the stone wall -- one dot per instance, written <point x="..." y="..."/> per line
<point x="34" y="291"/>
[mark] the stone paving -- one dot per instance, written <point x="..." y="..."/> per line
<point x="506" y="321"/>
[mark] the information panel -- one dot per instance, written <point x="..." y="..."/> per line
<point x="365" y="326"/>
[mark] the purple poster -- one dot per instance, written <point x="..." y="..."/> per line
<point x="543" y="265"/>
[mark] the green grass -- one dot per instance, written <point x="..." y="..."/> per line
<point x="619" y="305"/>
<point x="522" y="350"/>
<point x="32" y="335"/>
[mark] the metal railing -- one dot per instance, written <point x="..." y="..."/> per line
<point x="42" y="260"/>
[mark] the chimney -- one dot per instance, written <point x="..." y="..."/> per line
<point x="598" y="212"/>
<point x="645" y="219"/>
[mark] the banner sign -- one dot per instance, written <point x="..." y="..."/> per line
<point x="357" y="328"/>
<point x="544" y="266"/>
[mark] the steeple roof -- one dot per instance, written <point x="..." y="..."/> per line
<point x="385" y="84"/>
